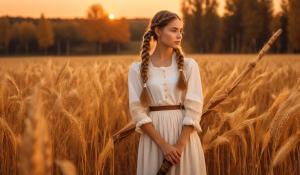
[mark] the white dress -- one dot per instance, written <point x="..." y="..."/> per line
<point x="162" y="86"/>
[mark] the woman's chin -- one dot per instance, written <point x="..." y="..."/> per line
<point x="175" y="46"/>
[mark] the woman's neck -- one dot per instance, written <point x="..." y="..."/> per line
<point x="162" y="56"/>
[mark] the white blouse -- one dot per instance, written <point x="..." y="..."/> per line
<point x="163" y="91"/>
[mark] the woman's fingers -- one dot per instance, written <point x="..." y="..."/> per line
<point x="169" y="158"/>
<point x="174" y="160"/>
<point x="178" y="153"/>
<point x="175" y="157"/>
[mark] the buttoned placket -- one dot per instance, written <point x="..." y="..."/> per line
<point x="165" y="84"/>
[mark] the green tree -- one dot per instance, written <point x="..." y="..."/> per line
<point x="252" y="25"/>
<point x="27" y="34"/>
<point x="67" y="32"/>
<point x="118" y="33"/>
<point x="232" y="30"/>
<point x="186" y="11"/>
<point x="96" y="12"/>
<point x="96" y="28"/>
<point x="96" y="31"/>
<point x="24" y="33"/>
<point x="266" y="15"/>
<point x="137" y="28"/>
<point x="294" y="25"/>
<point x="246" y="24"/>
<point x="5" y="33"/>
<point x="45" y="34"/>
<point x="192" y="14"/>
<point x="280" y="20"/>
<point x="210" y="26"/>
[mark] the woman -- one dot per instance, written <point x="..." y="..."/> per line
<point x="165" y="101"/>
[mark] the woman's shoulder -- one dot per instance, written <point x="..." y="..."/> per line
<point x="189" y="62"/>
<point x="135" y="66"/>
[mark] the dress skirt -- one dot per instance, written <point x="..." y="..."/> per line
<point x="169" y="125"/>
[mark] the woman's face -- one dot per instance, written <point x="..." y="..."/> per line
<point x="171" y="34"/>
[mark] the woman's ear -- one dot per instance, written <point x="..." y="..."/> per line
<point x="157" y="31"/>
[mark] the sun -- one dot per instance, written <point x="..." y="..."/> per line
<point x="111" y="16"/>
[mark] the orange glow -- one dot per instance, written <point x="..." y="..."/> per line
<point x="111" y="16"/>
<point x="78" y="8"/>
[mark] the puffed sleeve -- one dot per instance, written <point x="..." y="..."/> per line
<point x="137" y="111"/>
<point x="193" y="101"/>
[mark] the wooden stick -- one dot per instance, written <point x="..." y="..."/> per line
<point x="215" y="101"/>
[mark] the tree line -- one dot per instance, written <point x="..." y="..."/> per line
<point x="94" y="35"/>
<point x="244" y="28"/>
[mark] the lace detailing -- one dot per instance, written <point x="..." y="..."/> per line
<point x="139" y="115"/>
<point x="193" y="112"/>
<point x="140" y="123"/>
<point x="189" y="121"/>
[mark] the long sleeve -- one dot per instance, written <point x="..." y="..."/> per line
<point x="193" y="101"/>
<point x="137" y="111"/>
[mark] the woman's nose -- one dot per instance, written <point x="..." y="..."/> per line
<point x="179" y="36"/>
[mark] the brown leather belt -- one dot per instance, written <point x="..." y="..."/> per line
<point x="166" y="107"/>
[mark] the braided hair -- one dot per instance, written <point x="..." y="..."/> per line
<point x="160" y="19"/>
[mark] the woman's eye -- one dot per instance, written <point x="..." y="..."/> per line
<point x="181" y="32"/>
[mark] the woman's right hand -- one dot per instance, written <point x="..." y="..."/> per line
<point x="171" y="153"/>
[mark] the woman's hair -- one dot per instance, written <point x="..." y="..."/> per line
<point x="160" y="20"/>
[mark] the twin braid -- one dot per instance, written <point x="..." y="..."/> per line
<point x="145" y="55"/>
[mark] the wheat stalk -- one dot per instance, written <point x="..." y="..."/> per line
<point x="66" y="167"/>
<point x="36" y="151"/>
<point x="285" y="149"/>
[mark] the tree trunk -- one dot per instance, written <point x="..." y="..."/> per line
<point x="58" y="47"/>
<point x="7" y="50"/>
<point x="99" y="48"/>
<point x="68" y="47"/>
<point x="231" y="44"/>
<point x="118" y="48"/>
<point x="26" y="48"/>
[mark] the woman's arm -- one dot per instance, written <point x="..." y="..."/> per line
<point x="185" y="134"/>
<point x="193" y="104"/>
<point x="167" y="149"/>
<point x="149" y="129"/>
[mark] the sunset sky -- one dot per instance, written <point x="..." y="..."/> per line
<point x="77" y="8"/>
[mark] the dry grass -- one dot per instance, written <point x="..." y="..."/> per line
<point x="57" y="116"/>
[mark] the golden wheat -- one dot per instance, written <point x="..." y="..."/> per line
<point x="59" y="116"/>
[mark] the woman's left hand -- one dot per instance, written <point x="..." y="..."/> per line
<point x="180" y="147"/>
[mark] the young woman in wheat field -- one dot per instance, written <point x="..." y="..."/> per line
<point x="166" y="100"/>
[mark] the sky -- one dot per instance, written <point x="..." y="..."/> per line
<point x="78" y="8"/>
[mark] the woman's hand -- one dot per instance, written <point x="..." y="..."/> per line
<point x="171" y="153"/>
<point x="180" y="147"/>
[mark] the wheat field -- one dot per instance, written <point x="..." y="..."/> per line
<point x="58" y="115"/>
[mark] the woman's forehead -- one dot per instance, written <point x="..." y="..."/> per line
<point x="178" y="24"/>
